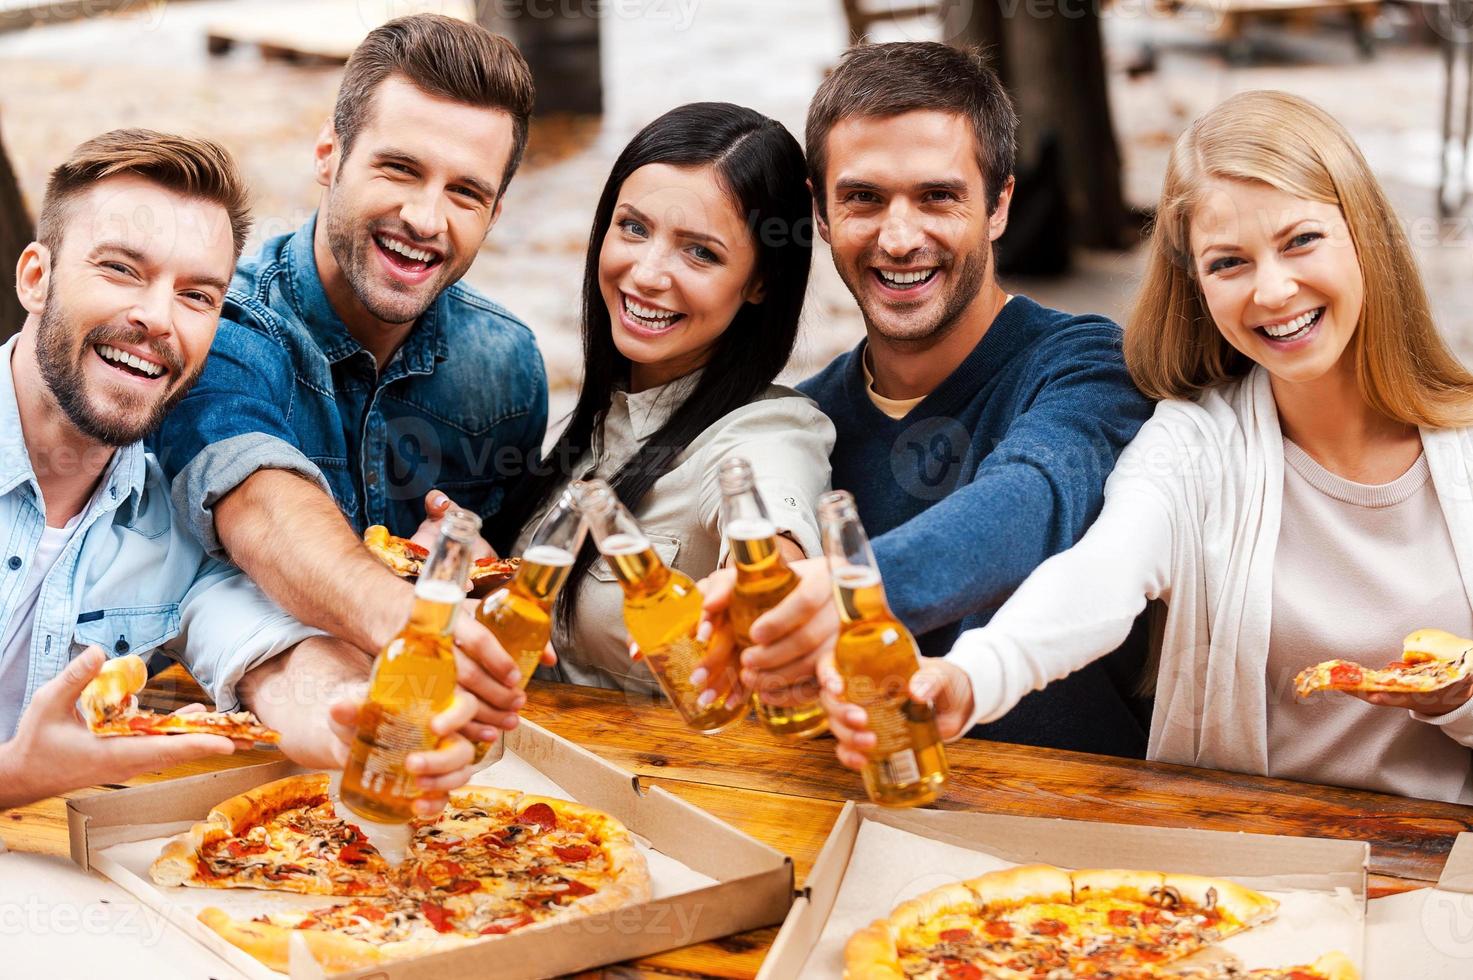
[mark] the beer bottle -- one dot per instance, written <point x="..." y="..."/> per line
<point x="413" y="678"/>
<point x="763" y="580"/>
<point x="662" y="611"/>
<point x="876" y="656"/>
<point x="519" y="614"/>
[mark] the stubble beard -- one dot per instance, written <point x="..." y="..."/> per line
<point x="964" y="284"/>
<point x="351" y="243"/>
<point x="61" y="370"/>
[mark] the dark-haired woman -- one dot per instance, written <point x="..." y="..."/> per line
<point x="697" y="266"/>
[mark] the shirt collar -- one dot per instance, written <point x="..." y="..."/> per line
<point x="649" y="409"/>
<point x="122" y="480"/>
<point x="420" y="351"/>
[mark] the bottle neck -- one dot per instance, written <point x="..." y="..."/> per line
<point x="434" y="610"/>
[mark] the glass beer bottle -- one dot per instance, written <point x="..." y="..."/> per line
<point x="519" y="614"/>
<point x="413" y="678"/>
<point x="763" y="580"/>
<point x="876" y="656"/>
<point x="662" y="611"/>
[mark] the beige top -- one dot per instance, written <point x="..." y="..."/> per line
<point x="896" y="408"/>
<point x="1358" y="567"/>
<point x="784" y="436"/>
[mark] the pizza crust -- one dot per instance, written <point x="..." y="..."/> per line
<point x="870" y="954"/>
<point x="1247" y="908"/>
<point x="1335" y="966"/>
<point x="106" y="694"/>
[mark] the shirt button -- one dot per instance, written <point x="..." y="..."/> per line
<point x="121" y="646"/>
<point x="14" y="562"/>
<point x="373" y="479"/>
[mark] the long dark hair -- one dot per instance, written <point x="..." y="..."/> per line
<point x="761" y="166"/>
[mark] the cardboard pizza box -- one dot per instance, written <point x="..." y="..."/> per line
<point x="744" y="884"/>
<point x="1427" y="933"/>
<point x="1325" y="879"/>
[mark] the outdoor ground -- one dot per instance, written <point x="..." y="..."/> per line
<point x="63" y="83"/>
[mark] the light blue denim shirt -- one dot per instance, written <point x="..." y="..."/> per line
<point x="131" y="579"/>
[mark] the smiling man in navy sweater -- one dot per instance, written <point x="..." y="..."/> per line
<point x="975" y="429"/>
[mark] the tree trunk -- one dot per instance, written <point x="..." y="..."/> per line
<point x="1050" y="55"/>
<point x="16" y="232"/>
<point x="561" y="45"/>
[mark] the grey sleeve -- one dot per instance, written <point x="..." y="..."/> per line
<point x="221" y="467"/>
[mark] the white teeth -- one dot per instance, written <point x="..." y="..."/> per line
<point x="905" y="278"/>
<point x="1282" y="330"/>
<point x="123" y="357"/>
<point x="653" y="314"/>
<point x="394" y="245"/>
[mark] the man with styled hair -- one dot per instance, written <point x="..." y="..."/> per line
<point x="353" y="373"/>
<point x="975" y="428"/>
<point x="137" y="237"/>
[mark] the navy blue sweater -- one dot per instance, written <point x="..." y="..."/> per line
<point x="1001" y="466"/>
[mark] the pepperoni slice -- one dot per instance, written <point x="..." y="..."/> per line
<point x="1120" y="918"/>
<point x="506" y="924"/>
<point x="1049" y="927"/>
<point x="956" y="935"/>
<point x="957" y="970"/>
<point x="540" y="814"/>
<point x="422" y="881"/>
<point x="437" y="915"/>
<point x="568" y="888"/>
<point x="574" y="853"/>
<point x="447" y="869"/>
<point x="461" y="886"/>
<point x="1347" y="674"/>
<point x="240" y="848"/>
<point x="354" y="853"/>
<point x="998" y="929"/>
<point x="416" y="550"/>
<point x="370" y="912"/>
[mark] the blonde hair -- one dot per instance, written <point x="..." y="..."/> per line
<point x="1172" y="347"/>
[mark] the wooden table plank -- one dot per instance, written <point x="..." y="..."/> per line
<point x="1410" y="839"/>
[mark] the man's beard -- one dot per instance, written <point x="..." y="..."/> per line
<point x="352" y="247"/>
<point x="964" y="282"/>
<point x="61" y="369"/>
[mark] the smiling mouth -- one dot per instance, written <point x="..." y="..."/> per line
<point x="905" y="279"/>
<point x="130" y="364"/>
<point x="406" y="256"/>
<point x="1295" y="329"/>
<point x="649" y="317"/>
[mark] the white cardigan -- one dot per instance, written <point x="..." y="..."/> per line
<point x="1191" y="516"/>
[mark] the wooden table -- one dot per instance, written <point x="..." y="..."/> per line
<point x="789" y="795"/>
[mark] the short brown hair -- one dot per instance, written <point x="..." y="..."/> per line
<point x="198" y="168"/>
<point x="881" y="80"/>
<point x="443" y="56"/>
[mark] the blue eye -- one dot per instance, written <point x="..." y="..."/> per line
<point x="1228" y="262"/>
<point x="1301" y="240"/>
<point x="703" y="253"/>
<point x="632" y="227"/>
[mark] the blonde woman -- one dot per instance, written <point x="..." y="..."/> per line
<point x="1302" y="492"/>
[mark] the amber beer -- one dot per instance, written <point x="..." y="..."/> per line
<point x="519" y="614"/>
<point x="662" y="611"/>
<point x="763" y="580"/>
<point x="876" y="657"/>
<point x="413" y="679"/>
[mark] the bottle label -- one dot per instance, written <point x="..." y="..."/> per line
<point x="395" y="737"/>
<point x="887" y="715"/>
<point x="900" y="768"/>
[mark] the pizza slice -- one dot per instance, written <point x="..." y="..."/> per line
<point x="110" y="709"/>
<point x="548" y="855"/>
<point x="1431" y="660"/>
<point x="491" y="573"/>
<point x="280" y="836"/>
<point x="403" y="556"/>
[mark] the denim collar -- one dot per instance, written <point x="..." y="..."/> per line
<point x="422" y="349"/>
<point x="124" y="477"/>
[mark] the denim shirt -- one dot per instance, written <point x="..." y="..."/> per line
<point x="461" y="406"/>
<point x="131" y="579"/>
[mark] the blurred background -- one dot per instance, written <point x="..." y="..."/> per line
<point x="1103" y="86"/>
